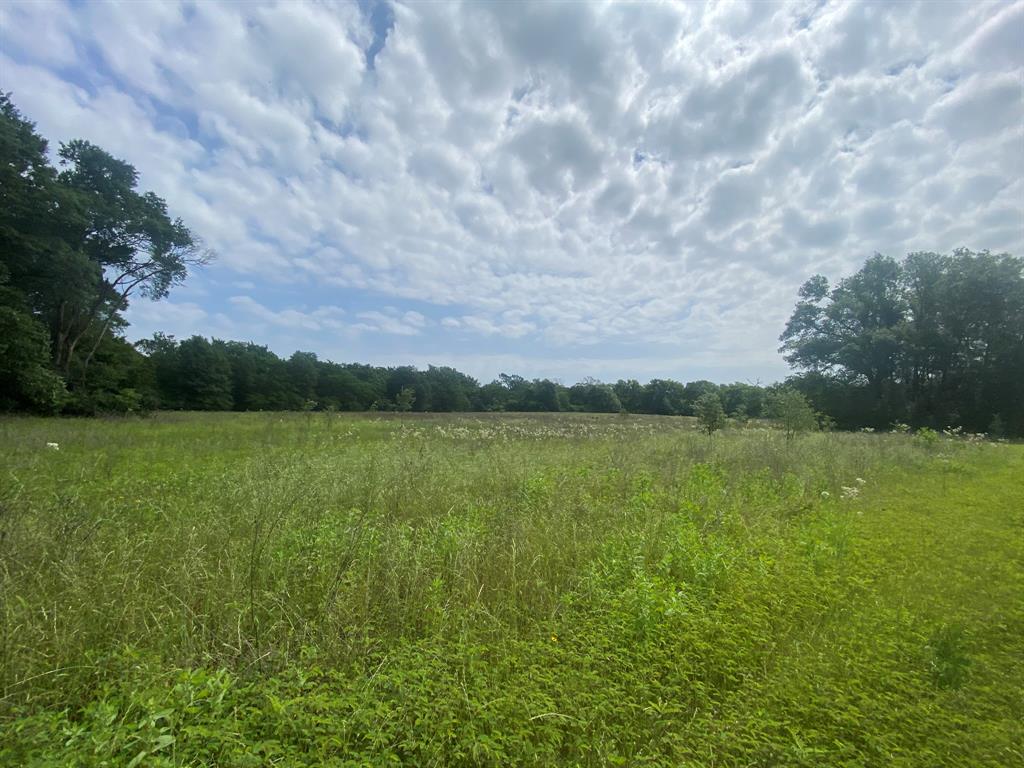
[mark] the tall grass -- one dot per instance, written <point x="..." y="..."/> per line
<point x="484" y="590"/>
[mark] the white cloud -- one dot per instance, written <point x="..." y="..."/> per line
<point x="321" y="318"/>
<point x="981" y="107"/>
<point x="558" y="179"/>
<point x="391" y="321"/>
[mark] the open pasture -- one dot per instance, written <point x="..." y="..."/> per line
<point x="326" y="589"/>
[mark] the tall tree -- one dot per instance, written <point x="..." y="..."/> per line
<point x="128" y="235"/>
<point x="936" y="339"/>
<point x="204" y="373"/>
<point x="76" y="245"/>
<point x="26" y="380"/>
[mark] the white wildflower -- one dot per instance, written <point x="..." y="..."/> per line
<point x="860" y="481"/>
<point x="825" y="494"/>
<point x="850" y="492"/>
<point x="53" y="446"/>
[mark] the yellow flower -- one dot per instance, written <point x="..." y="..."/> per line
<point x="554" y="638"/>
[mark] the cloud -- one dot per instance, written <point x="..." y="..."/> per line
<point x="391" y="321"/>
<point x="570" y="187"/>
<point x="996" y="44"/>
<point x="510" y="325"/>
<point x="321" y="318"/>
<point x="980" y="107"/>
<point x="735" y="197"/>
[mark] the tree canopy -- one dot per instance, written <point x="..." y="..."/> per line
<point x="211" y="374"/>
<point x="76" y="245"/>
<point x="933" y="340"/>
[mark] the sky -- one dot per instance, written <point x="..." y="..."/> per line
<point x="554" y="189"/>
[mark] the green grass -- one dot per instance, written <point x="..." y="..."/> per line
<point x="317" y="589"/>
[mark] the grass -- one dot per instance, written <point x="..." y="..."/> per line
<point x="319" y="589"/>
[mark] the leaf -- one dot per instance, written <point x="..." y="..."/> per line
<point x="163" y="741"/>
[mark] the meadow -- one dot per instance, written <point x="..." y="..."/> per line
<point x="490" y="590"/>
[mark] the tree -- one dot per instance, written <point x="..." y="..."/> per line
<point x="26" y="380"/>
<point x="630" y="394"/>
<point x="302" y="377"/>
<point x="693" y="391"/>
<point x="405" y="399"/>
<point x="710" y="414"/>
<point x="547" y="396"/>
<point x="933" y="340"/>
<point x="792" y="411"/>
<point x="664" y="396"/>
<point x="450" y="390"/>
<point x="40" y="268"/>
<point x="127" y="235"/>
<point x="854" y="330"/>
<point x="965" y="334"/>
<point x="591" y="395"/>
<point x="491" y="397"/>
<point x="742" y="399"/>
<point x="204" y="375"/>
<point x="76" y="245"/>
<point x="517" y="392"/>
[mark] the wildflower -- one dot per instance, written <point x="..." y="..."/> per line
<point x="554" y="638"/>
<point x="860" y="481"/>
<point x="53" y="446"/>
<point x="850" y="492"/>
<point x="825" y="494"/>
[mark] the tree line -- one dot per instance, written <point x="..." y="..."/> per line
<point x="933" y="340"/>
<point x="212" y="374"/>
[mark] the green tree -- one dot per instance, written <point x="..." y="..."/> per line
<point x="591" y="395"/>
<point x="630" y="393"/>
<point x="128" y="235"/>
<point x="710" y="414"/>
<point x="693" y="391"/>
<point x="491" y="397"/>
<point x="965" y="335"/>
<point x="548" y="396"/>
<point x="450" y="390"/>
<point x="204" y="375"/>
<point x="665" y="397"/>
<point x="405" y="398"/>
<point x="854" y="331"/>
<point x="302" y="374"/>
<point x="791" y="411"/>
<point x="743" y="399"/>
<point x="76" y="245"/>
<point x="933" y="340"/>
<point x="26" y="379"/>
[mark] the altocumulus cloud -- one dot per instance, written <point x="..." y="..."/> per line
<point x="560" y="189"/>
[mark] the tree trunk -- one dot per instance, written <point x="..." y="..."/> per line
<point x="62" y="337"/>
<point x="95" y="346"/>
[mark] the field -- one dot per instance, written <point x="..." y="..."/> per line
<point x="325" y="589"/>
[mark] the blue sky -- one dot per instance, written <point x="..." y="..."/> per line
<point x="559" y="189"/>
